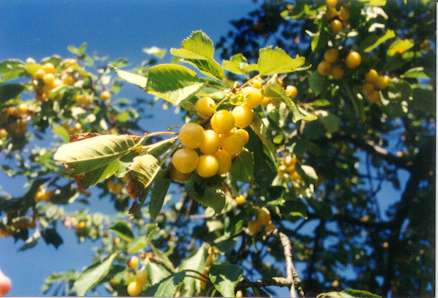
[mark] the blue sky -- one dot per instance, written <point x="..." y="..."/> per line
<point x="115" y="28"/>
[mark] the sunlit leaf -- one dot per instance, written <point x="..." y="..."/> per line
<point x="132" y="78"/>
<point x="276" y="60"/>
<point x="400" y="46"/>
<point x="225" y="278"/>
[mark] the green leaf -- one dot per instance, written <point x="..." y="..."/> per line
<point x="198" y="49"/>
<point x="423" y="101"/>
<point x="243" y="167"/>
<point x="274" y="90"/>
<point x="93" y="275"/>
<point x="317" y="83"/>
<point x="361" y="293"/>
<point x="172" y="82"/>
<point x="166" y="287"/>
<point x="10" y="91"/>
<point x="123" y="230"/>
<point x="61" y="132"/>
<point x="143" y="169"/>
<point x="78" y="51"/>
<point x="415" y="73"/>
<point x="276" y="60"/>
<point x="162" y="257"/>
<point x="208" y="196"/>
<point x="309" y="172"/>
<point x="92" y="153"/>
<point x="400" y="46"/>
<point x="389" y="34"/>
<point x="137" y="245"/>
<point x="11" y="69"/>
<point x="156" y="273"/>
<point x="100" y="174"/>
<point x="237" y="64"/>
<point x="132" y="78"/>
<point x="331" y="123"/>
<point x="158" y="193"/>
<point x="225" y="278"/>
<point x="195" y="262"/>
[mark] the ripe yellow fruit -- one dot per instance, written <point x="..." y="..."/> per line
<point x="81" y="225"/>
<point x="208" y="166"/>
<point x="324" y="68"/>
<point x="191" y="135"/>
<point x="331" y="3"/>
<point x="39" y="74"/>
<point x="43" y="195"/>
<point x="114" y="187"/>
<point x="185" y="160"/>
<point x="68" y="79"/>
<point x="353" y="60"/>
<point x="240" y="200"/>
<point x="367" y="89"/>
<point x="331" y="13"/>
<point x="49" y="79"/>
<point x="134" y="288"/>
<point x="291" y="91"/>
<point x="253" y="96"/>
<point x="3" y="133"/>
<point x="224" y="160"/>
<point x="133" y="262"/>
<point x="257" y="83"/>
<point x="254" y="227"/>
<point x="83" y="99"/>
<point x="374" y="96"/>
<point x="205" y="107"/>
<point x="331" y="55"/>
<point x="336" y="26"/>
<point x="344" y="15"/>
<point x="263" y="216"/>
<point x="382" y="82"/>
<point x="337" y="72"/>
<point x="266" y="100"/>
<point x="69" y="62"/>
<point x="372" y="76"/>
<point x="244" y="135"/>
<point x="177" y="176"/>
<point x="49" y="68"/>
<point x="233" y="144"/>
<point x="222" y="121"/>
<point x="141" y="277"/>
<point x="290" y="160"/>
<point x="105" y="95"/>
<point x="243" y="116"/>
<point x="210" y="142"/>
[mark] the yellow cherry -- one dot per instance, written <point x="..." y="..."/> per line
<point x="224" y="160"/>
<point x="49" y="68"/>
<point x="49" y="79"/>
<point x="210" y="142"/>
<point x="253" y="227"/>
<point x="222" y="121"/>
<point x="205" y="107"/>
<point x="177" y="176"/>
<point x="134" y="288"/>
<point x="324" y="68"/>
<point x="263" y="216"/>
<point x="39" y="74"/>
<point x="253" y="96"/>
<point x="331" y="3"/>
<point x="331" y="55"/>
<point x="185" y="160"/>
<point x="244" y="135"/>
<point x="243" y="116"/>
<point x="291" y="91"/>
<point x="337" y="72"/>
<point x="382" y="82"/>
<point x="336" y="26"/>
<point x="353" y="60"/>
<point x="208" y="166"/>
<point x="372" y="76"/>
<point x="141" y="277"/>
<point x="133" y="262"/>
<point x="240" y="200"/>
<point x="191" y="135"/>
<point x="105" y="95"/>
<point x="233" y="144"/>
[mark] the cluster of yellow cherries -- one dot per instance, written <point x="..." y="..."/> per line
<point x="135" y="286"/>
<point x="330" y="65"/>
<point x="337" y="18"/>
<point x="20" y="115"/>
<point x="209" y="151"/>
<point x="373" y="83"/>
<point x="287" y="168"/>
